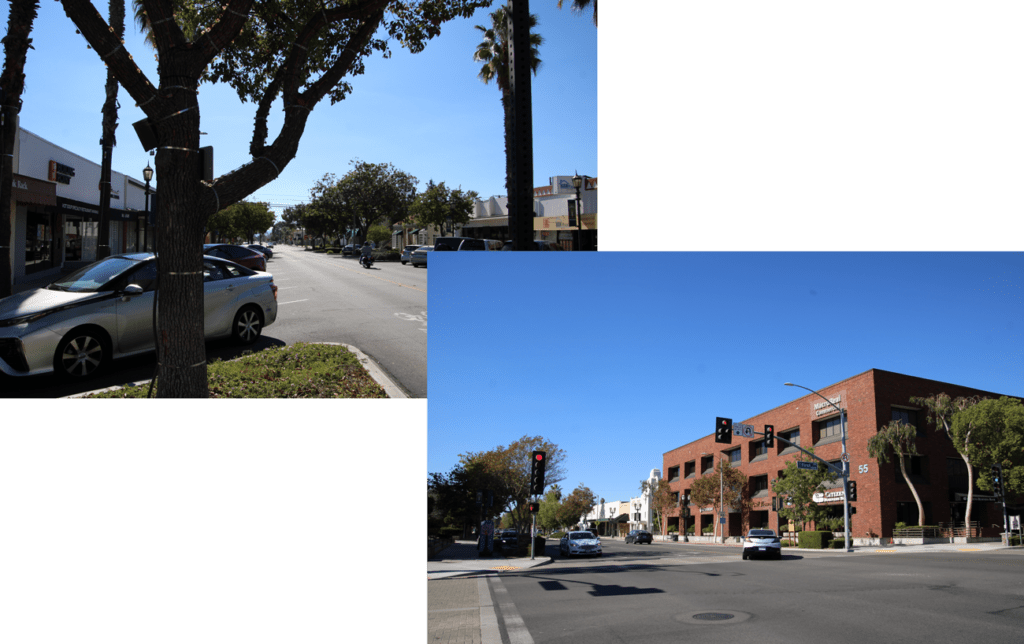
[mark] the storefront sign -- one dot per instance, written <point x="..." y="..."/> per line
<point x="822" y="408"/>
<point x="61" y="173"/>
<point x="827" y="497"/>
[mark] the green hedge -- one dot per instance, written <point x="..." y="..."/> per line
<point x="814" y="539"/>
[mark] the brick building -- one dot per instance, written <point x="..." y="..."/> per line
<point x="871" y="400"/>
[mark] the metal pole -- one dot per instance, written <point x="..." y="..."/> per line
<point x="721" y="496"/>
<point x="533" y="538"/>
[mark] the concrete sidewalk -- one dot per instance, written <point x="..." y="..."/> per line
<point x="461" y="559"/>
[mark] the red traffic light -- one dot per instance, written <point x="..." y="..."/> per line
<point x="539" y="457"/>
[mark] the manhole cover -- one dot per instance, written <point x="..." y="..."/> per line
<point x="713" y="617"/>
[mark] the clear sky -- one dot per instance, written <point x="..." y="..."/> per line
<point x="428" y="114"/>
<point x="621" y="357"/>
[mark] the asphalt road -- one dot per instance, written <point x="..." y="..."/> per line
<point x="678" y="593"/>
<point x="321" y="298"/>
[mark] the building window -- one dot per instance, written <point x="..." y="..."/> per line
<point x="907" y="417"/>
<point x="734" y="456"/>
<point x="675" y="498"/>
<point x="689" y="469"/>
<point x="673" y="473"/>
<point x="758" y="483"/>
<point x="906" y="512"/>
<point x="707" y="464"/>
<point x="757" y="448"/>
<point x="828" y="431"/>
<point x="793" y="436"/>
<point x="917" y="468"/>
<point x="956" y="475"/>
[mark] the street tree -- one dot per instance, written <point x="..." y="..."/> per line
<point x="997" y="430"/>
<point x="454" y="495"/>
<point x="661" y="501"/>
<point x="298" y="51"/>
<point x="547" y="517"/>
<point x="708" y="489"/>
<point x="378" y="234"/>
<point x="439" y="205"/>
<point x="509" y="470"/>
<point x="900" y="439"/>
<point x="368" y="194"/>
<point x="108" y="139"/>
<point x="252" y="218"/>
<point x="579" y="6"/>
<point x="795" y="489"/>
<point x="493" y="52"/>
<point x="941" y="409"/>
<point x="575" y="506"/>
<point x="12" y="83"/>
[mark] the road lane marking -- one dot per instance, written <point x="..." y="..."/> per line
<point x="292" y="302"/>
<point x="514" y="624"/>
<point x="489" y="632"/>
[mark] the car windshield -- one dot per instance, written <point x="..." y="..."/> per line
<point x="581" y="535"/>
<point x="92" y="278"/>
<point x="761" y="533"/>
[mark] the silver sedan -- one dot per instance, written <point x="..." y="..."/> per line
<point x="103" y="311"/>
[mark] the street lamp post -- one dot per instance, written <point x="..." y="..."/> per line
<point x="577" y="181"/>
<point x="845" y="461"/>
<point x="147" y="174"/>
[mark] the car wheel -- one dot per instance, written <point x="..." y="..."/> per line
<point x="248" y="325"/>
<point x="403" y="263"/>
<point x="82" y="352"/>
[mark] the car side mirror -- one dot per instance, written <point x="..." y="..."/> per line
<point x="131" y="291"/>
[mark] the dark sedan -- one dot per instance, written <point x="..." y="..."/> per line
<point x="238" y="254"/>
<point x="262" y="249"/>
<point x="639" y="536"/>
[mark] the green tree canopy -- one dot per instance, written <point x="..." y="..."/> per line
<point x="547" y="517"/>
<point x="575" y="506"/>
<point x="369" y="194"/>
<point x="707" y="489"/>
<point x="795" y="489"/>
<point x="996" y="430"/>
<point x="441" y="206"/>
<point x="454" y="496"/>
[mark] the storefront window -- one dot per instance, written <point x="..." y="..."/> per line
<point x="90" y="235"/>
<point x="72" y="240"/>
<point x="38" y="242"/>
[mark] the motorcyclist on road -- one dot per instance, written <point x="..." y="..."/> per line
<point x="365" y="252"/>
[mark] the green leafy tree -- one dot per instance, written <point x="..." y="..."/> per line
<point x="900" y="439"/>
<point x="547" y="517"/>
<point x="298" y="52"/>
<point x="940" y="409"/>
<point x="661" y="501"/>
<point x="796" y="487"/>
<point x="12" y="82"/>
<point x="252" y="218"/>
<point x="369" y="194"/>
<point x="508" y="468"/>
<point x="439" y="206"/>
<point x="997" y="430"/>
<point x="579" y="6"/>
<point x="707" y="490"/>
<point x="493" y="52"/>
<point x="453" y="498"/>
<point x="575" y="506"/>
<point x="379" y="235"/>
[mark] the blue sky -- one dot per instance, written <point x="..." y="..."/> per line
<point x="620" y="357"/>
<point x="428" y="113"/>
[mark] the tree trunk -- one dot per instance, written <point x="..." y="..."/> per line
<point x="913" y="490"/>
<point x="16" y="44"/>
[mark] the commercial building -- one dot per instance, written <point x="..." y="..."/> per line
<point x="55" y="223"/>
<point x="871" y="400"/>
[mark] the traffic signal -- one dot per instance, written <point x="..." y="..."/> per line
<point x="723" y="430"/>
<point x="534" y="507"/>
<point x="997" y="480"/>
<point x="537" y="472"/>
<point x="851" y="490"/>
<point x="769" y="436"/>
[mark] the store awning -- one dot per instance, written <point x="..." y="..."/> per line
<point x="28" y="190"/>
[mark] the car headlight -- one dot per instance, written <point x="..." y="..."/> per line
<point x="25" y="319"/>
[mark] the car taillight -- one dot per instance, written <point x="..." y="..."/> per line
<point x="273" y="287"/>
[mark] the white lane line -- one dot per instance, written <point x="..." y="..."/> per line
<point x="293" y="301"/>
<point x="514" y="625"/>
<point x="489" y="632"/>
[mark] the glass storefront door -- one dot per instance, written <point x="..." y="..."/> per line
<point x="39" y="251"/>
<point x="72" y="239"/>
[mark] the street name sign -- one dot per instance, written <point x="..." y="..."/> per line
<point x="806" y="465"/>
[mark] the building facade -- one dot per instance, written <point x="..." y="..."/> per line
<point x="56" y="211"/>
<point x="871" y="400"/>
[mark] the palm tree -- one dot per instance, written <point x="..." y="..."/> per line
<point x="493" y="52"/>
<point x="579" y="5"/>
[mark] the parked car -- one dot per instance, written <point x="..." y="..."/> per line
<point x="449" y="243"/>
<point x="79" y="323"/>
<point x="579" y="543"/>
<point x="419" y="256"/>
<point x="639" y="536"/>
<point x="481" y="244"/>
<point x="349" y="249"/>
<point x="762" y="543"/>
<point x="537" y="245"/>
<point x="263" y="249"/>
<point x="238" y="254"/>
<point x="507" y="539"/>
<point x="407" y="253"/>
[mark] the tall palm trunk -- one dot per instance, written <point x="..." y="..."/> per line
<point x="913" y="490"/>
<point x="16" y="46"/>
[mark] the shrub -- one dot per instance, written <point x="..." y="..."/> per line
<point x="708" y="530"/>
<point x="815" y="539"/>
<point x="450" y="532"/>
<point x="673" y="528"/>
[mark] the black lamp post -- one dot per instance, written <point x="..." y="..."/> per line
<point x="147" y="174"/>
<point x="577" y="181"/>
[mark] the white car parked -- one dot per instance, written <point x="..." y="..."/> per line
<point x="579" y="543"/>
<point x="762" y="543"/>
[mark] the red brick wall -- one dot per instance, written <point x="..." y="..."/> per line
<point x="868" y="398"/>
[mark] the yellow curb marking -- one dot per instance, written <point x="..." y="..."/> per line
<point x="505" y="568"/>
<point x="885" y="551"/>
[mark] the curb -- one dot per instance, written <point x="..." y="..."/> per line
<point x="391" y="388"/>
